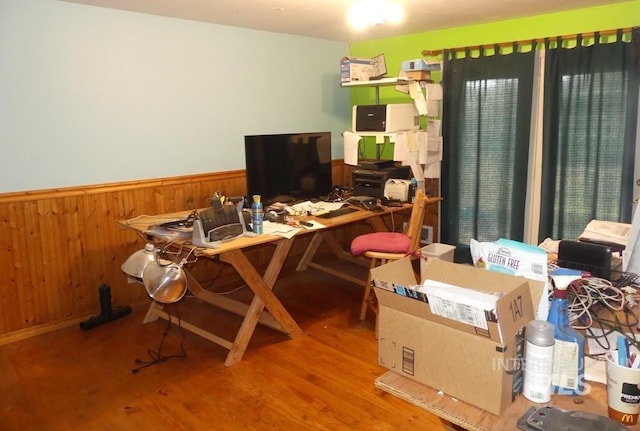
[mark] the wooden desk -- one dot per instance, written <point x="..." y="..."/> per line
<point x="232" y="253"/>
<point x="326" y="235"/>
<point x="472" y="418"/>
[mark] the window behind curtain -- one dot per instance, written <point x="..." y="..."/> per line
<point x="487" y="112"/>
<point x="590" y="115"/>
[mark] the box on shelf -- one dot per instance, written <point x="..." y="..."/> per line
<point x="419" y="64"/>
<point x="355" y="69"/>
<point x="418" y="75"/>
<point x="362" y="69"/>
<point x="478" y="363"/>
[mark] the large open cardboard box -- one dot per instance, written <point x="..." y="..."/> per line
<point x="481" y="366"/>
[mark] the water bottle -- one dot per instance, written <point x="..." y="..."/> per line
<point x="568" y="350"/>
<point x="538" y="361"/>
<point x="256" y="215"/>
<point x="412" y="190"/>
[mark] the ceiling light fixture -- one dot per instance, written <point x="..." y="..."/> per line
<point x="367" y="13"/>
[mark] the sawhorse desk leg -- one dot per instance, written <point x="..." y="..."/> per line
<point x="336" y="248"/>
<point x="277" y="318"/>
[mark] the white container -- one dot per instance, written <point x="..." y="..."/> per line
<point x="435" y="250"/>
<point x="438" y="251"/>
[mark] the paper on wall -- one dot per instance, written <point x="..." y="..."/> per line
<point x="434" y="127"/>
<point x="406" y="148"/>
<point x="400" y="149"/>
<point x="434" y="92"/>
<point x="432" y="170"/>
<point x="419" y="100"/>
<point x="351" y="141"/>
<point x="423" y="150"/>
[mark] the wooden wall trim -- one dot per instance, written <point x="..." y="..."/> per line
<point x="33" y="195"/>
<point x="58" y="246"/>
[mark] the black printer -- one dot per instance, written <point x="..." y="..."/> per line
<point x="371" y="182"/>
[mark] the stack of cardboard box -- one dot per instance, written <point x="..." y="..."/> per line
<point x="419" y="70"/>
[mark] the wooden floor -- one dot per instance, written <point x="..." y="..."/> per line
<point x="323" y="380"/>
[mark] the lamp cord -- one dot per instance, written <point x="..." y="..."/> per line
<point x="156" y="356"/>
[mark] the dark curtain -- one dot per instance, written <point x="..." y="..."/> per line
<point x="590" y="116"/>
<point x="486" y="118"/>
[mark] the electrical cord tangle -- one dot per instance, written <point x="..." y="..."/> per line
<point x="157" y="357"/>
<point x="601" y="309"/>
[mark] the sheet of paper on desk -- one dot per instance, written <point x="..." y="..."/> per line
<point x="313" y="208"/>
<point x="169" y="234"/>
<point x="607" y="232"/>
<point x="279" y="229"/>
<point x="314" y="225"/>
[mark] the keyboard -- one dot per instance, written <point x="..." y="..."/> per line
<point x="338" y="212"/>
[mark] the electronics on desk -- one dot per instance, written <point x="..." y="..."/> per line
<point x="593" y="258"/>
<point x="372" y="182"/>
<point x="276" y="214"/>
<point x="220" y="223"/>
<point x="288" y="166"/>
<point x="391" y="202"/>
<point x="375" y="164"/>
<point x="397" y="189"/>
<point x="367" y="202"/>
<point x="385" y="118"/>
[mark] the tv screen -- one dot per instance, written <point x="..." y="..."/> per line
<point x="288" y="167"/>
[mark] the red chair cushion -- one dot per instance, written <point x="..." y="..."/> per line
<point x="386" y="242"/>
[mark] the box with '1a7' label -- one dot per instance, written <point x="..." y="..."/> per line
<point x="460" y="329"/>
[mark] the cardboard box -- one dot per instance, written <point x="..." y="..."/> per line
<point x="419" y="64"/>
<point x="478" y="365"/>
<point x="355" y="69"/>
<point x="418" y="75"/>
<point x="362" y="69"/>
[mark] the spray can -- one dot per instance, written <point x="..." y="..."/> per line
<point x="413" y="185"/>
<point x="538" y="361"/>
<point x="256" y="214"/>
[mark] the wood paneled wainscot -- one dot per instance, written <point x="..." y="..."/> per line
<point x="58" y="246"/>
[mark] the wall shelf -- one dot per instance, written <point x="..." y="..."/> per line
<point x="377" y="83"/>
<point x="385" y="82"/>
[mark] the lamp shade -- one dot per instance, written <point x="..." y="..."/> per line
<point x="135" y="265"/>
<point x="165" y="283"/>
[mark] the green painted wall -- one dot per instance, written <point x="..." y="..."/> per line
<point x="397" y="49"/>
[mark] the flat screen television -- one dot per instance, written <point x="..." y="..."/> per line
<point x="288" y="167"/>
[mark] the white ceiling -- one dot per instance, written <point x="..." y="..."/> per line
<point x="327" y="19"/>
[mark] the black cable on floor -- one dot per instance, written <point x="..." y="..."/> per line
<point x="156" y="356"/>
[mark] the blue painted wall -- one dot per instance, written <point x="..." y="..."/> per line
<point x="90" y="95"/>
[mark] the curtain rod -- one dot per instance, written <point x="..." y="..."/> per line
<point x="436" y="52"/>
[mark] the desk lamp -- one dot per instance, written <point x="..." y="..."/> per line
<point x="165" y="283"/>
<point x="135" y="265"/>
